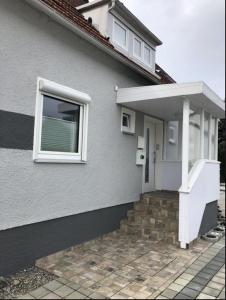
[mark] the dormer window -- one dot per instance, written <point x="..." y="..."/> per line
<point x="120" y="35"/>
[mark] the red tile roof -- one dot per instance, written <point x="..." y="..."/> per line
<point x="165" y="77"/>
<point x="71" y="13"/>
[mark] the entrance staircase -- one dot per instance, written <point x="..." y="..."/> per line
<point x="155" y="217"/>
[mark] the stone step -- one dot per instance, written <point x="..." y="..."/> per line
<point x="155" y="217"/>
<point x="161" y="202"/>
<point x="171" y="214"/>
<point x="166" y="226"/>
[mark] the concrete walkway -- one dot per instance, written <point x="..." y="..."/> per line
<point x="117" y="267"/>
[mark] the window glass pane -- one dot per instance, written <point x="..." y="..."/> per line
<point x="195" y="137"/>
<point x="137" y="48"/>
<point x="120" y="35"/>
<point x="206" y="136"/>
<point x="172" y="140"/>
<point x="147" y="55"/>
<point x="60" y="126"/>
<point x="213" y="137"/>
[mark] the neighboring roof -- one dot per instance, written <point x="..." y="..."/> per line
<point x="165" y="77"/>
<point x="166" y="101"/>
<point x="120" y="8"/>
<point x="69" y="16"/>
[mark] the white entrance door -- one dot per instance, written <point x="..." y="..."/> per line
<point x="150" y="150"/>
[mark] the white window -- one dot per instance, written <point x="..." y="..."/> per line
<point x="61" y="124"/>
<point x="147" y="55"/>
<point x="120" y="35"/>
<point x="128" y="121"/>
<point x="137" y="48"/>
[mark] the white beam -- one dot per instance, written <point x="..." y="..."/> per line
<point x="216" y="138"/>
<point x="210" y="137"/>
<point x="202" y="134"/>
<point x="185" y="144"/>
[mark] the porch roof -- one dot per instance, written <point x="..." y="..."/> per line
<point x="166" y="101"/>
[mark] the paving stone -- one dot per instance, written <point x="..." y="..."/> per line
<point x="215" y="285"/>
<point x="176" y="287"/>
<point x="222" y="295"/>
<point x="64" y="291"/>
<point x="182" y="297"/>
<point x="53" y="285"/>
<point x="51" y="296"/>
<point x="190" y="293"/>
<point x="205" y="296"/>
<point x="76" y="295"/>
<point x="207" y="270"/>
<point x="170" y="294"/>
<point x="187" y="276"/>
<point x="74" y="286"/>
<point x="181" y="281"/>
<point x="211" y="292"/>
<point x="221" y="275"/>
<point x="27" y="296"/>
<point x="192" y="272"/>
<point x="39" y="293"/>
<point x="85" y="292"/>
<point x="62" y="280"/>
<point x="195" y="286"/>
<point x="200" y="280"/>
<point x="205" y="275"/>
<point x="161" y="297"/>
<point x="213" y="267"/>
<point x="96" y="296"/>
<point x="218" y="280"/>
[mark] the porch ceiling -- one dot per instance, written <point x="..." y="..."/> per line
<point x="166" y="101"/>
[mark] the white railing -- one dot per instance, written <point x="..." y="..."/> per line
<point x="203" y="187"/>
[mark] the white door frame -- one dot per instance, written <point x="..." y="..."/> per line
<point x="158" y="140"/>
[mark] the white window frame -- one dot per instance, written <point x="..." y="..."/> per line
<point x="132" y="128"/>
<point x="142" y="57"/>
<point x="52" y="89"/>
<point x="150" y="49"/>
<point x="135" y="37"/>
<point x="116" y="21"/>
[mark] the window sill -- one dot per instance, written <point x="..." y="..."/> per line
<point x="59" y="159"/>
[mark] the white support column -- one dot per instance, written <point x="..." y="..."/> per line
<point x="216" y="138"/>
<point x="210" y="137"/>
<point x="185" y="144"/>
<point x="202" y="134"/>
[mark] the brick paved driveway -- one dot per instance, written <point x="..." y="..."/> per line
<point x="121" y="267"/>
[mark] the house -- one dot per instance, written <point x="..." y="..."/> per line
<point x="89" y="122"/>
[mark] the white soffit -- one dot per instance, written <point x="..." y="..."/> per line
<point x="166" y="101"/>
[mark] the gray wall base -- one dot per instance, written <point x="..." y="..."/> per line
<point x="20" y="247"/>
<point x="209" y="220"/>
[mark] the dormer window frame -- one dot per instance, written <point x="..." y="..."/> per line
<point x="119" y="23"/>
<point x="151" y="50"/>
<point x="135" y="37"/>
<point x="143" y="46"/>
